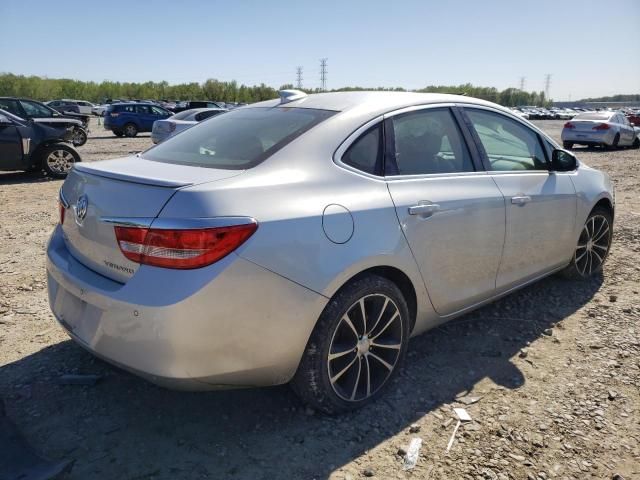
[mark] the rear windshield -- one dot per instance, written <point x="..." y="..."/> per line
<point x="239" y="139"/>
<point x="593" y="116"/>
<point x="182" y="115"/>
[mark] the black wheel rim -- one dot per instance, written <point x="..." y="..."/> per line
<point x="365" y="347"/>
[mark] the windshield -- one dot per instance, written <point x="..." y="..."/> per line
<point x="239" y="139"/>
<point x="184" y="114"/>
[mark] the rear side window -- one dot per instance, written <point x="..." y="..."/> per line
<point x="237" y="140"/>
<point x="509" y="145"/>
<point x="429" y="141"/>
<point x="365" y="154"/>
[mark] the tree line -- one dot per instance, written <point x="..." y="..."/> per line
<point x="39" y="88"/>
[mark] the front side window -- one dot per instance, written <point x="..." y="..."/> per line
<point x="34" y="109"/>
<point x="429" y="141"/>
<point x="158" y="111"/>
<point x="10" y="105"/>
<point x="239" y="139"/>
<point x="365" y="153"/>
<point x="509" y="145"/>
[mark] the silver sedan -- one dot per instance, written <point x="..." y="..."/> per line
<point x="603" y="129"/>
<point x="305" y="239"/>
<point x="167" y="127"/>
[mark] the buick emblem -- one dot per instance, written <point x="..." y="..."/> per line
<point x="81" y="208"/>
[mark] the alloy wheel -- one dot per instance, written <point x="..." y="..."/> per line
<point x="60" y="161"/>
<point x="593" y="245"/>
<point x="365" y="347"/>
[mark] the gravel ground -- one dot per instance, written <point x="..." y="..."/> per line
<point x="550" y="376"/>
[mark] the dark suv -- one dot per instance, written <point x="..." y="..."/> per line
<point x="130" y="118"/>
<point x="40" y="113"/>
<point x="31" y="146"/>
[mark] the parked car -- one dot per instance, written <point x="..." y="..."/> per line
<point x="604" y="129"/>
<point x="190" y="105"/>
<point x="163" y="129"/>
<point x="634" y="118"/>
<point x="41" y="113"/>
<point x="129" y="119"/>
<point x="32" y="146"/>
<point x="99" y="110"/>
<point x="306" y="239"/>
<point x="66" y="105"/>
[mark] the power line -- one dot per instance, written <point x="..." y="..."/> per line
<point x="547" y="84"/>
<point x="299" y="77"/>
<point x="323" y="74"/>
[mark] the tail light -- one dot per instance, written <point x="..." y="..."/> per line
<point x="569" y="125"/>
<point x="602" y="126"/>
<point x="181" y="249"/>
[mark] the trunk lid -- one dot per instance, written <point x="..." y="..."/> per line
<point x="128" y="188"/>
<point x="586" y="125"/>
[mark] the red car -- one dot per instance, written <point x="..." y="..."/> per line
<point x="634" y="118"/>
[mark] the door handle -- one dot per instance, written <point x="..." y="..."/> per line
<point x="520" y="199"/>
<point x="424" y="209"/>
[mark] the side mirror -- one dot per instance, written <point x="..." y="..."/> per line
<point x="4" y="120"/>
<point x="563" y="161"/>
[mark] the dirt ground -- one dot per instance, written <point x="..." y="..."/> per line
<point x="550" y="376"/>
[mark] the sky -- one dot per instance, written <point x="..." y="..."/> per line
<point x="589" y="47"/>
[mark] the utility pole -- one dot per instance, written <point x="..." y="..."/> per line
<point x="522" y="79"/>
<point x="547" y="84"/>
<point x="323" y="74"/>
<point x="299" y="78"/>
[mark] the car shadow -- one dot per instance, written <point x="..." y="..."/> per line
<point x="18" y="178"/>
<point x="125" y="427"/>
<point x="114" y="137"/>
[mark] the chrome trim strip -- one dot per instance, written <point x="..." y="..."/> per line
<point x="178" y="223"/>
<point x="63" y="200"/>
<point x="196" y="223"/>
<point x="26" y="145"/>
<point x="139" y="222"/>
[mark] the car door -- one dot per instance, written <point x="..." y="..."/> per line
<point x="145" y="117"/>
<point x="540" y="204"/>
<point x="11" y="145"/>
<point x="451" y="212"/>
<point x="627" y="133"/>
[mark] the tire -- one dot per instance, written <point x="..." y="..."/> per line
<point x="79" y="137"/>
<point x="567" y="145"/>
<point x="636" y="143"/>
<point x="130" y="130"/>
<point x="340" y="384"/>
<point x="590" y="255"/>
<point x="58" y="159"/>
<point x="616" y="140"/>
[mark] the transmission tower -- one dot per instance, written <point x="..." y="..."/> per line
<point x="323" y="74"/>
<point x="299" y="77"/>
<point x="522" y="79"/>
<point x="547" y="84"/>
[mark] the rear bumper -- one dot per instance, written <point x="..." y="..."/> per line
<point x="227" y="325"/>
<point x="588" y="138"/>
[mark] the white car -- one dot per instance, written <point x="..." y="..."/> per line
<point x="167" y="127"/>
<point x="603" y="129"/>
<point x="99" y="109"/>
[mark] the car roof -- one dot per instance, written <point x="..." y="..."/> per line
<point x="371" y="102"/>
